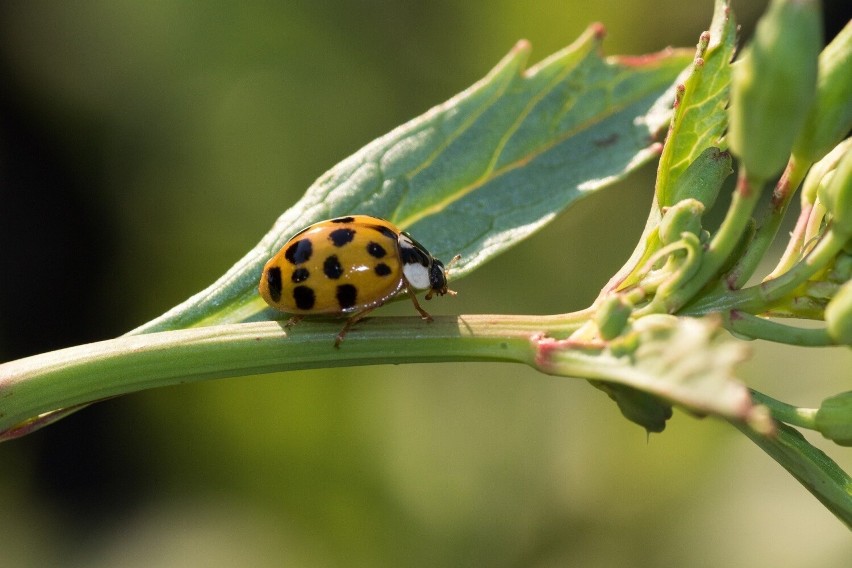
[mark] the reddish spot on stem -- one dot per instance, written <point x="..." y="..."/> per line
<point x="743" y="187"/>
<point x="782" y="189"/>
<point x="731" y="280"/>
<point x="547" y="347"/>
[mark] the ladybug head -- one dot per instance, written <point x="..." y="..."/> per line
<point x="438" y="278"/>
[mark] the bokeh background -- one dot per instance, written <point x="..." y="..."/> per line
<point x="144" y="147"/>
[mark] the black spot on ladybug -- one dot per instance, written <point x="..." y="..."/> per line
<point x="332" y="268"/>
<point x="389" y="233"/>
<point x="299" y="252"/>
<point x="413" y="255"/>
<point x="346" y="295"/>
<point x="273" y="283"/>
<point x="304" y="297"/>
<point x="343" y="220"/>
<point x="382" y="269"/>
<point x="300" y="275"/>
<point x="341" y="237"/>
<point x="376" y="250"/>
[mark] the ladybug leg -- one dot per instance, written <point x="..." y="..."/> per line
<point x="293" y="320"/>
<point x="423" y="313"/>
<point x="348" y="325"/>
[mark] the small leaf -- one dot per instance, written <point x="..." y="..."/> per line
<point x="700" y="118"/>
<point x="639" y="407"/>
<point x="684" y="361"/>
<point x="482" y="171"/>
<point x="698" y="123"/>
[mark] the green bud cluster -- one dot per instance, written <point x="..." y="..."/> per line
<point x="773" y="86"/>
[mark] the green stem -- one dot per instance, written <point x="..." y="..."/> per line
<point x="759" y="299"/>
<point x="759" y="328"/>
<point x="795" y="245"/>
<point x="769" y="224"/>
<point x="75" y="376"/>
<point x="817" y="472"/>
<point x="787" y="413"/>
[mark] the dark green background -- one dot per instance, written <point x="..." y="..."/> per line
<point x="144" y="147"/>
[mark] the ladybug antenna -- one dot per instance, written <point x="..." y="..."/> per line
<point x="450" y="264"/>
<point x="453" y="260"/>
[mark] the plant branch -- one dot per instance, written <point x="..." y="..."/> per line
<point x="768" y="226"/>
<point x="78" y="375"/>
<point x="787" y="413"/>
<point x="756" y="327"/>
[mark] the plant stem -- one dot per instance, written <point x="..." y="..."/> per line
<point x="769" y="224"/>
<point x="79" y="375"/>
<point x="787" y="413"/>
<point x="759" y="328"/>
<point x="817" y="472"/>
<point x="759" y="299"/>
<point x="795" y="245"/>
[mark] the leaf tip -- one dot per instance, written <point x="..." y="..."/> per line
<point x="522" y="47"/>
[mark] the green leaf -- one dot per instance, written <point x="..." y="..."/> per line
<point x="639" y="407"/>
<point x="482" y="171"/>
<point x="700" y="116"/>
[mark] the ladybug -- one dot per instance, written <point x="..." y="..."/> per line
<point x="347" y="267"/>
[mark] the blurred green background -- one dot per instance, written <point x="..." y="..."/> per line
<point x="144" y="147"/>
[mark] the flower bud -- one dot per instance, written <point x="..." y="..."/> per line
<point x="838" y="316"/>
<point x="836" y="196"/>
<point x="612" y="315"/>
<point x="834" y="418"/>
<point x="683" y="217"/>
<point x="773" y="86"/>
<point x="830" y="117"/>
<point x="819" y="170"/>
<point x="703" y="178"/>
